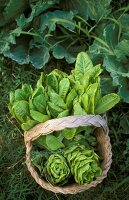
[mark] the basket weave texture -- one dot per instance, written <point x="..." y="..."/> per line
<point x="104" y="148"/>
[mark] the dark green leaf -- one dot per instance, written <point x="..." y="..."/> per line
<point x="39" y="56"/>
<point x="50" y="19"/>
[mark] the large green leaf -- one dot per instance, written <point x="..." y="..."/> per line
<point x="122" y="50"/>
<point x="105" y="43"/>
<point x="98" y="10"/>
<point x="106" y="103"/>
<point x="36" y="9"/>
<point x="70" y="98"/>
<point x="19" y="52"/>
<point x="89" y="8"/>
<point x="50" y="19"/>
<point x="115" y="68"/>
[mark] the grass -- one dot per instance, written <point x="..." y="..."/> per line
<point x="16" y="182"/>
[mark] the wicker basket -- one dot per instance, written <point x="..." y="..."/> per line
<point x="52" y="125"/>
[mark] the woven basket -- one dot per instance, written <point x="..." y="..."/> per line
<point x="52" y="125"/>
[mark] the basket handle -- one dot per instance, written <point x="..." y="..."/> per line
<point x="64" y="122"/>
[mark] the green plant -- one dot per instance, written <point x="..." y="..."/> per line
<point x="56" y="169"/>
<point x="58" y="94"/>
<point x="84" y="163"/>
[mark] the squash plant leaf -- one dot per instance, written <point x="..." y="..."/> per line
<point x="89" y="8"/>
<point x="50" y="19"/>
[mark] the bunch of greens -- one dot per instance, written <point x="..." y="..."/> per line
<point x="77" y="161"/>
<point x="58" y="94"/>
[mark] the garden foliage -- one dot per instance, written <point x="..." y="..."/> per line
<point x="40" y="30"/>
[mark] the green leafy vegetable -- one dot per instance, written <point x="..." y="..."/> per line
<point x="84" y="163"/>
<point x="106" y="103"/>
<point x="53" y="142"/>
<point x="57" y="170"/>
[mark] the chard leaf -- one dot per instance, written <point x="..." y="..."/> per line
<point x="78" y="110"/>
<point x="56" y="99"/>
<point x="85" y="102"/>
<point x="83" y="63"/>
<point x="53" y="143"/>
<point x="54" y="109"/>
<point x="70" y="98"/>
<point x="91" y="92"/>
<point x="40" y="104"/>
<point x="38" y="116"/>
<point x="64" y="86"/>
<point x="21" y="110"/>
<point x="106" y="103"/>
<point x="115" y="68"/>
<point x="52" y="81"/>
<point x="28" y="124"/>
